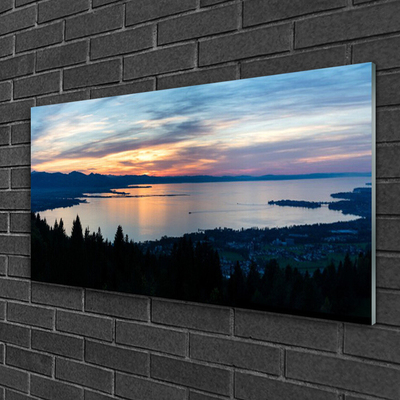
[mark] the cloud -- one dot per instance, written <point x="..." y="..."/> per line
<point x="262" y="124"/>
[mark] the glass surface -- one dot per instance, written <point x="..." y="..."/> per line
<point x="256" y="193"/>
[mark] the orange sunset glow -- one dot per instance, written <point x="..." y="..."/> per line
<point x="317" y="121"/>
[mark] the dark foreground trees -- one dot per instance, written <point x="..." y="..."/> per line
<point x="191" y="271"/>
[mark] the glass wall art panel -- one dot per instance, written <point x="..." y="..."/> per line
<point x="256" y="193"/>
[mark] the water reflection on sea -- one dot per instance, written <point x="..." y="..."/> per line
<point x="196" y="206"/>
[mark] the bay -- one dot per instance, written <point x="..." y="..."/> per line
<point x="175" y="209"/>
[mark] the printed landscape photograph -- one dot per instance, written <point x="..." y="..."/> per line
<point x="255" y="193"/>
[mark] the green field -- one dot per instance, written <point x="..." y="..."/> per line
<point x="311" y="266"/>
<point x="231" y="256"/>
<point x="299" y="250"/>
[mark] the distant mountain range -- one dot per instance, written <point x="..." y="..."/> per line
<point x="42" y="180"/>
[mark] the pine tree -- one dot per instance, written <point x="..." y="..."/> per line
<point x="119" y="238"/>
<point x="76" y="233"/>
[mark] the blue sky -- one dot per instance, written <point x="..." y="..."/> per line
<point x="305" y="122"/>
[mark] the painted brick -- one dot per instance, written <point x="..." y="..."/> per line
<point x="20" y="222"/>
<point x="198" y="376"/>
<point x="382" y="52"/>
<point x="277" y="328"/>
<point x="117" y="358"/>
<point x="205" y="3"/>
<point x="251" y="387"/>
<point x="324" y="58"/>
<point x="39" y="37"/>
<point x="3" y="265"/>
<point x="346" y="374"/>
<point x="235" y="353"/>
<point x="62" y="56"/>
<point x="388" y="234"/>
<point x="118" y="305"/>
<point x="145" y="85"/>
<point x="50" y="389"/>
<point x="4" y="141"/>
<point x="56" y="295"/>
<point x="386" y="161"/>
<point x="12" y="395"/>
<point x="18" y="245"/>
<point x="99" y="3"/>
<point x="29" y="360"/>
<point x="17" y="66"/>
<point x="19" y="266"/>
<point x="56" y="343"/>
<point x="14" y="378"/>
<point x="122" y="42"/>
<point x="10" y="333"/>
<point x="2" y="310"/>
<point x="259" y="11"/>
<point x="199" y="24"/>
<point x="387" y="89"/>
<point x="14" y="289"/>
<point x="3" y="222"/>
<point x="6" y="46"/>
<point x="151" y="337"/>
<point x="96" y="22"/>
<point x="15" y="111"/>
<point x="387" y="122"/>
<point x="19" y="3"/>
<point x="388" y="272"/>
<point x="372" y="343"/>
<point x="31" y="315"/>
<point x="37" y="85"/>
<point x="386" y="195"/>
<point x="198" y="77"/>
<point x="146" y="10"/>
<point x="20" y="178"/>
<point x="54" y="9"/>
<point x="387" y="308"/>
<point x="89" y="395"/>
<point x="4" y="179"/>
<point x="14" y="155"/>
<point x="63" y="98"/>
<point x="5" y="91"/>
<point x="86" y="325"/>
<point x="134" y="388"/>
<point x="193" y="316"/>
<point x="350" y="397"/>
<point x="84" y="374"/>
<point x="388" y="275"/>
<point x="92" y="74"/>
<point x="6" y="5"/>
<point x="247" y="44"/>
<point x="200" y="396"/>
<point x="160" y="61"/>
<point x="20" y="134"/>
<point x="14" y="200"/>
<point x="17" y="20"/>
<point x="347" y="25"/>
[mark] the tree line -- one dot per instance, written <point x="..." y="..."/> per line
<point x="191" y="271"/>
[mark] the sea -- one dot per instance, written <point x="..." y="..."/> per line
<point x="175" y="209"/>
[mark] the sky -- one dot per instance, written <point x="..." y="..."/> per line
<point x="306" y="122"/>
